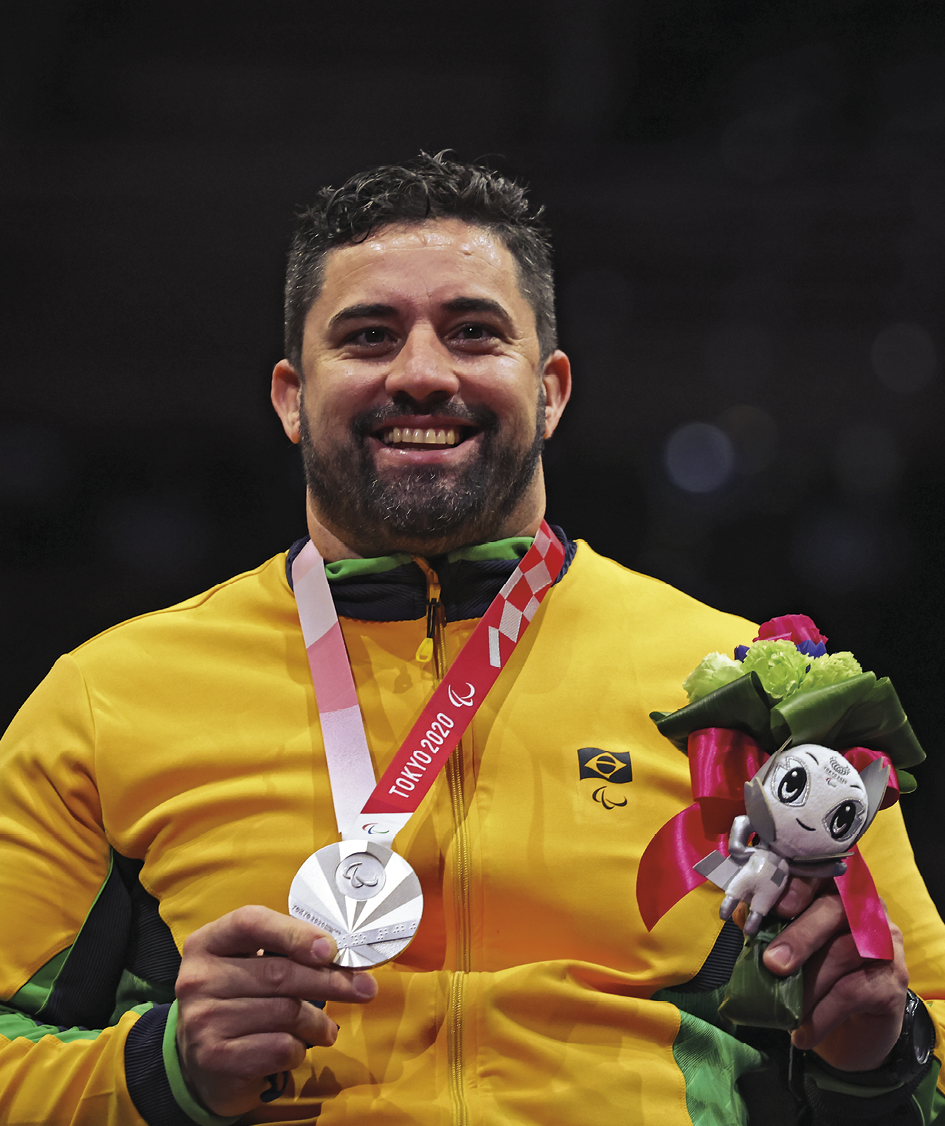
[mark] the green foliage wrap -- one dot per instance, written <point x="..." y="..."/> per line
<point x="757" y="997"/>
<point x="862" y="711"/>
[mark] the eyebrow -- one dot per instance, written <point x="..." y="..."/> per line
<point x="362" y="312"/>
<point x="477" y="305"/>
<point x="381" y="311"/>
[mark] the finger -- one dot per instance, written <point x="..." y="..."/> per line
<point x="227" y="1074"/>
<point x="824" y="919"/>
<point x="798" y="896"/>
<point x="861" y="1012"/>
<point x="316" y="1027"/>
<point x="825" y="969"/>
<point x="221" y="978"/>
<point x="228" y="1066"/>
<point x="242" y="1016"/>
<point x="364" y="985"/>
<point x="309" y="1024"/>
<point x="838" y="983"/>
<point x="226" y="1047"/>
<point x="248" y="929"/>
<point x="281" y="977"/>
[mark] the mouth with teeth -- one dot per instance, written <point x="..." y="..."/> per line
<point x="423" y="438"/>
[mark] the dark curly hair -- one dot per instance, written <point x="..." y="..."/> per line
<point x="428" y="187"/>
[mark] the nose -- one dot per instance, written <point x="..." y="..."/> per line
<point x="423" y="369"/>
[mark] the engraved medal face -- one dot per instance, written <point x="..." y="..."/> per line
<point x="365" y="896"/>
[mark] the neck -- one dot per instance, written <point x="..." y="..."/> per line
<point x="329" y="545"/>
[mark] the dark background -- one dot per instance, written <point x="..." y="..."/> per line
<point x="749" y="207"/>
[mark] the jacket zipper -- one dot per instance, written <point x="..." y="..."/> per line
<point x="434" y="645"/>
<point x="427" y="648"/>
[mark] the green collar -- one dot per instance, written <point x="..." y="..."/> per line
<point x="513" y="548"/>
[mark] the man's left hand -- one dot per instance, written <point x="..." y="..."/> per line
<point x="853" y="1006"/>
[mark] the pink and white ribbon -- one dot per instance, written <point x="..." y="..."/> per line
<point x="361" y="808"/>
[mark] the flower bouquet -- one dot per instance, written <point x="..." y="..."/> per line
<point x="792" y="752"/>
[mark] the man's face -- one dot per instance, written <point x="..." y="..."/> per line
<point x="423" y="402"/>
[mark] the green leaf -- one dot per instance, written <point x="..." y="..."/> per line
<point x="817" y="716"/>
<point x="879" y="722"/>
<point x="757" y="997"/>
<point x="907" y="782"/>
<point x="743" y="705"/>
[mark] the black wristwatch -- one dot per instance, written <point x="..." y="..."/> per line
<point x="912" y="1050"/>
<point x="909" y="1056"/>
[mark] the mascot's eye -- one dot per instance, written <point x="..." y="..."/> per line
<point x="843" y="820"/>
<point x="793" y="785"/>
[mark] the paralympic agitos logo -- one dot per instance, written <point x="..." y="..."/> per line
<point x="611" y="767"/>
<point x="462" y="700"/>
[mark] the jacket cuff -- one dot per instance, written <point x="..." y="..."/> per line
<point x="879" y="1091"/>
<point x="833" y="1100"/>
<point x="153" y="1074"/>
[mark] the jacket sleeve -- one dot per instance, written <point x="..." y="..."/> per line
<point x="87" y="967"/>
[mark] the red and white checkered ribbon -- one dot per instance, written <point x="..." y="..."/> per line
<point x="361" y="808"/>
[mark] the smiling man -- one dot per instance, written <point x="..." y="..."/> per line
<point x="429" y="394"/>
<point x="178" y="781"/>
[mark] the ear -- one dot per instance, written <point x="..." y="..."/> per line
<point x="874" y="778"/>
<point x="286" y="396"/>
<point x="556" y="380"/>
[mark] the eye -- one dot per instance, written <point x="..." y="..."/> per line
<point x="476" y="333"/>
<point x="843" y="820"/>
<point x="793" y="786"/>
<point x="369" y="337"/>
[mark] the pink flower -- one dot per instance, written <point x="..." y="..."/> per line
<point x="791" y="627"/>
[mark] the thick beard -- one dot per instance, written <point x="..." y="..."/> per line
<point x="421" y="509"/>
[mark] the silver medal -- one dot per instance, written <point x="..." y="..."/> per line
<point x="365" y="896"/>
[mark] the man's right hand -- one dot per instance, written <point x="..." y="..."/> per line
<point x="242" y="1016"/>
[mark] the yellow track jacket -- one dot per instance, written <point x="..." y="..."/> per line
<point x="172" y="769"/>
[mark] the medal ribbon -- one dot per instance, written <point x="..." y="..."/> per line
<point x="362" y="808"/>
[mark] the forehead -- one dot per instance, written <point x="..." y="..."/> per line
<point x="820" y="762"/>
<point x="415" y="265"/>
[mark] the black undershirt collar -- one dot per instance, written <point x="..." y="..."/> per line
<point x="399" y="593"/>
